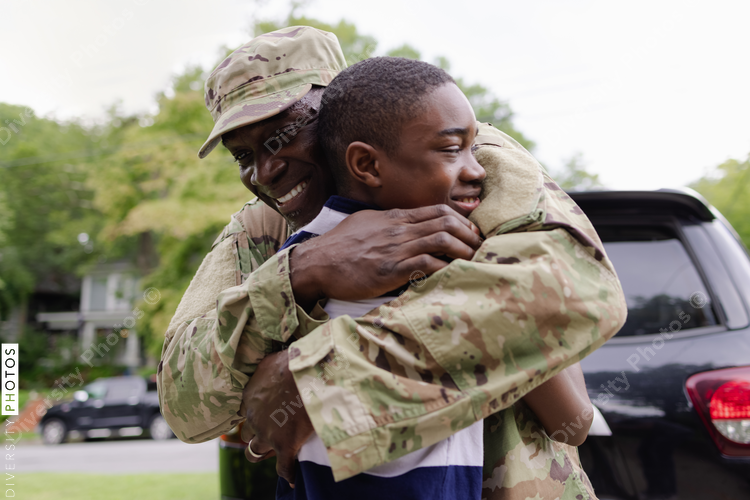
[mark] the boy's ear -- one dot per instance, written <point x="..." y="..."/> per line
<point x="362" y="160"/>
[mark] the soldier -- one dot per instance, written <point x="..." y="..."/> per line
<point x="551" y="283"/>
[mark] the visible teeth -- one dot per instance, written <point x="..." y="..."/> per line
<point x="467" y="200"/>
<point x="294" y="192"/>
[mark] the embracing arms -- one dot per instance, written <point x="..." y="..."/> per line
<point x="452" y="391"/>
<point x="470" y="341"/>
<point x="208" y="357"/>
<point x="539" y="295"/>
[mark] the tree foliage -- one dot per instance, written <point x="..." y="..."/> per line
<point x="42" y="200"/>
<point x="163" y="204"/>
<point x="575" y="177"/>
<point x="728" y="189"/>
<point x="356" y="47"/>
<point x="135" y="186"/>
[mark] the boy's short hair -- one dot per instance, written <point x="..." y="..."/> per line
<point x="371" y="101"/>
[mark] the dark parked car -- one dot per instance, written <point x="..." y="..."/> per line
<point x="118" y="406"/>
<point x="673" y="386"/>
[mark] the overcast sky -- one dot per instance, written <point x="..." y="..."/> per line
<point x="653" y="94"/>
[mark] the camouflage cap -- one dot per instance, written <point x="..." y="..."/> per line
<point x="267" y="75"/>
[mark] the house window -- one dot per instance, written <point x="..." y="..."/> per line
<point x="98" y="300"/>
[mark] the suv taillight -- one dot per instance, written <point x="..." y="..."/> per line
<point x="722" y="399"/>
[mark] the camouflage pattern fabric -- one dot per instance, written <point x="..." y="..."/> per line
<point x="200" y="383"/>
<point x="470" y="341"/>
<point x="267" y="75"/>
<point x="464" y="344"/>
<point x="523" y="463"/>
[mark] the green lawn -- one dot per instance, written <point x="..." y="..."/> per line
<point x="23" y="398"/>
<point x="26" y="436"/>
<point x="49" y="486"/>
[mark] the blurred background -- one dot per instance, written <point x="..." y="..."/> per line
<point x="106" y="211"/>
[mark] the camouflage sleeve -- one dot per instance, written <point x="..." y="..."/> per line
<point x="523" y="462"/>
<point x="469" y="341"/>
<point x="474" y="337"/>
<point x="207" y="363"/>
<point x="207" y="358"/>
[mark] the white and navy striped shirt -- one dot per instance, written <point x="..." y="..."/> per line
<point x="448" y="470"/>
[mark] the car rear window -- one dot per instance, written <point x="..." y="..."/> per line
<point x="96" y="390"/>
<point x="123" y="389"/>
<point x="662" y="286"/>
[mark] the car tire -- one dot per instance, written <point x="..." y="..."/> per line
<point x="54" y="431"/>
<point x="159" y="429"/>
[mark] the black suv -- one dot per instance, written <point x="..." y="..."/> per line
<point x="117" y="406"/>
<point x="673" y="386"/>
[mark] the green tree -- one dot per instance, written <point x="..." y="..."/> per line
<point x="43" y="201"/>
<point x="489" y="108"/>
<point x="728" y="189"/>
<point x="356" y="47"/>
<point x="574" y="176"/>
<point x="406" y="51"/>
<point x="137" y="187"/>
<point x="162" y="206"/>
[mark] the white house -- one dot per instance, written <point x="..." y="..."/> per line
<point x="107" y="297"/>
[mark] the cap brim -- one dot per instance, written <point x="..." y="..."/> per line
<point x="252" y="111"/>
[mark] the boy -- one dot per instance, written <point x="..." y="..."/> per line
<point x="398" y="133"/>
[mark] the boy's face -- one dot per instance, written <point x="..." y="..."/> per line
<point x="434" y="163"/>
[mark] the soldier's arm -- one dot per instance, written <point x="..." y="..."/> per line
<point x="476" y="336"/>
<point x="472" y="340"/>
<point x="213" y="345"/>
<point x="209" y="358"/>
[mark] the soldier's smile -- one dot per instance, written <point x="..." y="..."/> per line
<point x="294" y="204"/>
<point x="292" y="194"/>
<point x="290" y="178"/>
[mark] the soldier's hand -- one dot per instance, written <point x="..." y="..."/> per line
<point x="373" y="252"/>
<point x="277" y="422"/>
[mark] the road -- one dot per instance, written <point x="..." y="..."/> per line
<point x="119" y="457"/>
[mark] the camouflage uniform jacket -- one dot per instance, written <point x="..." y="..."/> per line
<point x="464" y="344"/>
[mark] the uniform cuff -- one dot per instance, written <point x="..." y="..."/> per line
<point x="272" y="299"/>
